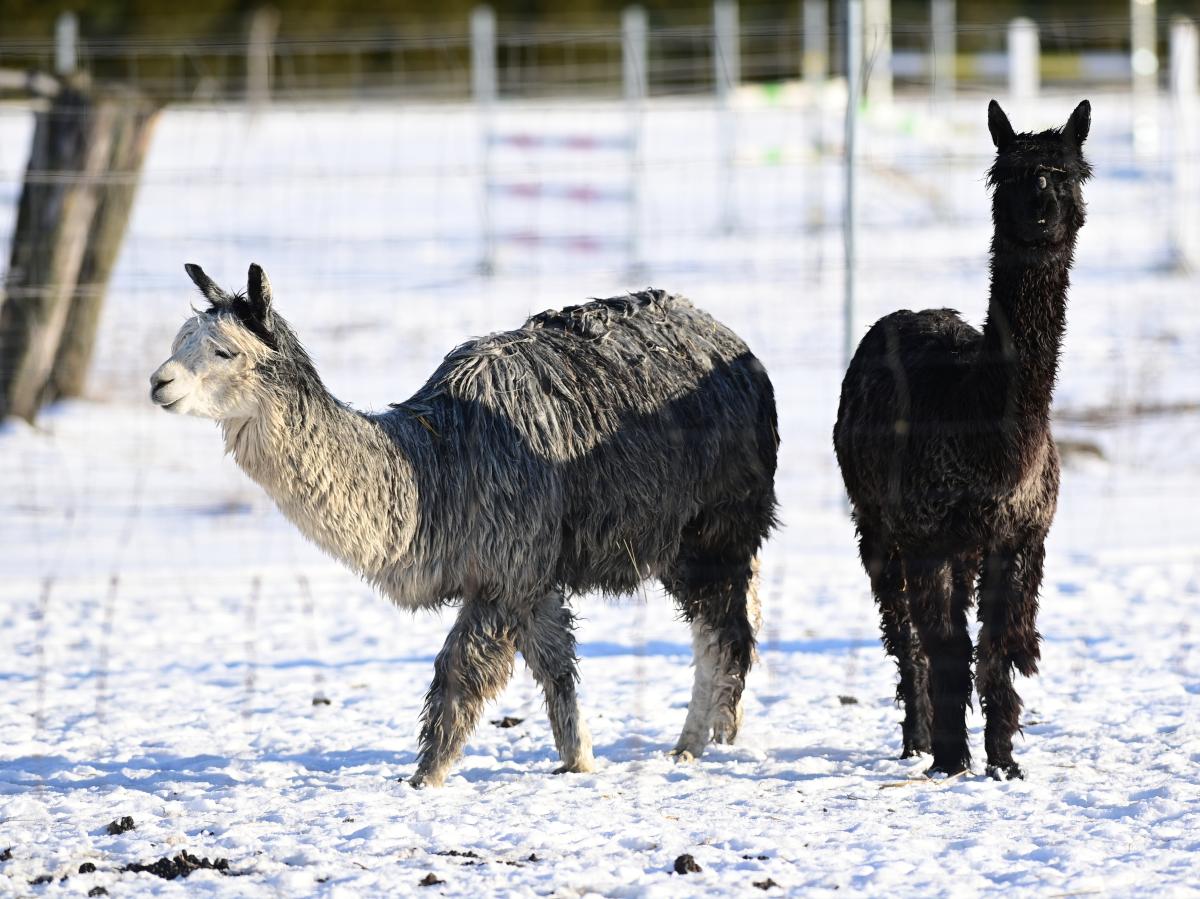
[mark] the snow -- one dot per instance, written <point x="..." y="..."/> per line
<point x="164" y="632"/>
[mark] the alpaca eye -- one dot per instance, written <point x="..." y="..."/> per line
<point x="1041" y="182"/>
<point x="224" y="354"/>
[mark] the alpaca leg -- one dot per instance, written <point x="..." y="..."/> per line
<point x="1008" y="639"/>
<point x="900" y="640"/>
<point x="720" y="599"/>
<point x="474" y="665"/>
<point x="939" y="593"/>
<point x="547" y="641"/>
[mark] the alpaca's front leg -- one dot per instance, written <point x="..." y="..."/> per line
<point x="900" y="640"/>
<point x="939" y="593"/>
<point x="547" y="641"/>
<point x="473" y="667"/>
<point x="1008" y="638"/>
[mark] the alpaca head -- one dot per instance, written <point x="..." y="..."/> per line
<point x="1037" y="179"/>
<point x="222" y="357"/>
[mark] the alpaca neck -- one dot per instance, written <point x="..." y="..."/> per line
<point x="333" y="472"/>
<point x="1023" y="334"/>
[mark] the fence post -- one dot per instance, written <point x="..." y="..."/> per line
<point x="66" y="45"/>
<point x="727" y="73"/>
<point x="65" y="242"/>
<point x="854" y="62"/>
<point x="636" y="80"/>
<point x="1185" y="194"/>
<point x="264" y="22"/>
<point x="816" y="43"/>
<point x="1024" y="59"/>
<point x="1143" y="65"/>
<point x="484" y="92"/>
<point x="945" y="50"/>
<point x="877" y="49"/>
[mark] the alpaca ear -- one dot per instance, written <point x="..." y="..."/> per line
<point x="258" y="290"/>
<point x="1002" y="131"/>
<point x="211" y="292"/>
<point x="1079" y="124"/>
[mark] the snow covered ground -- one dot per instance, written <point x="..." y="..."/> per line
<point x="172" y="650"/>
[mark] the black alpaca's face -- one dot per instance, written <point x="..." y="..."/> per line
<point x="1037" y="179"/>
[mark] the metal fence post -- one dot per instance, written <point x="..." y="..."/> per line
<point x="877" y="37"/>
<point x="1143" y="65"/>
<point x="727" y="73"/>
<point x="66" y="44"/>
<point x="635" y="78"/>
<point x="1024" y="59"/>
<point x="1185" y="194"/>
<point x="854" y="62"/>
<point x="484" y="93"/>
<point x="816" y="42"/>
<point x="945" y="50"/>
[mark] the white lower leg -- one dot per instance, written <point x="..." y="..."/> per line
<point x="698" y="726"/>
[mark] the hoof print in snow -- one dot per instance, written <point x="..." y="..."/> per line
<point x="97" y="891"/>
<point x="761" y="858"/>
<point x="40" y="879"/>
<point x="180" y="865"/>
<point x="848" y="700"/>
<point x="87" y="868"/>
<point x="121" y="825"/>
<point x="430" y="880"/>
<point x="765" y="884"/>
<point x="533" y="857"/>
<point x="6" y="854"/>
<point x="508" y="721"/>
<point x="321" y="700"/>
<point x="685" y="864"/>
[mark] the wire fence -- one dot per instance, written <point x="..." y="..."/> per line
<point x="397" y="217"/>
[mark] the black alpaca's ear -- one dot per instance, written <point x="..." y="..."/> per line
<point x="258" y="290"/>
<point x="1002" y="131"/>
<point x="212" y="293"/>
<point x="1079" y="124"/>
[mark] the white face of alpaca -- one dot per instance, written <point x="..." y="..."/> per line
<point x="212" y="370"/>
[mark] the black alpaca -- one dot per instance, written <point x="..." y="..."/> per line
<point x="943" y="438"/>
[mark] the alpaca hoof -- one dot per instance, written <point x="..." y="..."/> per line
<point x="1008" y="771"/>
<point x="913" y="751"/>
<point x="948" y="769"/>
<point x="684" y="756"/>
<point x="579" y="766"/>
<point x="424" y="779"/>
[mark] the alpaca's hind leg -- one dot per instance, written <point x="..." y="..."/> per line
<point x="1008" y="638"/>
<point x="547" y="641"/>
<point x="900" y="640"/>
<point x="939" y="593"/>
<point x="719" y="597"/>
<point x="474" y="665"/>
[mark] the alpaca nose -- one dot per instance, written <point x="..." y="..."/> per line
<point x="157" y="382"/>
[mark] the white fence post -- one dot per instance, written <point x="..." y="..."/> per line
<point x="484" y="93"/>
<point x="636" y="78"/>
<point x="1185" y="195"/>
<point x="1144" y="68"/>
<point x="945" y="49"/>
<point x="264" y="22"/>
<point x="816" y="43"/>
<point x="66" y="44"/>
<point x="854" y="63"/>
<point x="727" y="72"/>
<point x="877" y="48"/>
<point x="1024" y="59"/>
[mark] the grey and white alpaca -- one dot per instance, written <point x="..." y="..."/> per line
<point x="591" y="449"/>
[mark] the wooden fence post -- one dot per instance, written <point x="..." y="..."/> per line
<point x="65" y="243"/>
